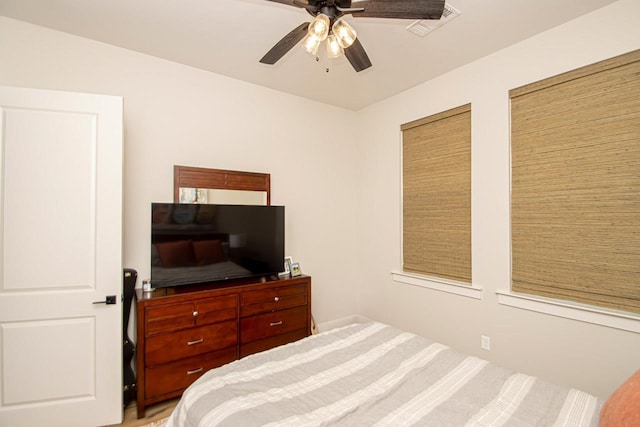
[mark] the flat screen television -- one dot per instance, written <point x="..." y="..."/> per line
<point x="196" y="244"/>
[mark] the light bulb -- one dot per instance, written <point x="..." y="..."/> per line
<point x="344" y="32"/>
<point x="311" y="44"/>
<point x="333" y="47"/>
<point x="319" y="27"/>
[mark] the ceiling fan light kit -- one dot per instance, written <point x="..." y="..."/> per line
<point x="319" y="27"/>
<point x="344" y="32"/>
<point x="341" y="37"/>
<point x="334" y="49"/>
<point x="311" y="44"/>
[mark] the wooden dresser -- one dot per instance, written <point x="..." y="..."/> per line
<point x="183" y="335"/>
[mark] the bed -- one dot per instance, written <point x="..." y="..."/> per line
<point x="371" y="374"/>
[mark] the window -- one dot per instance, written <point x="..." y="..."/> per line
<point x="575" y="190"/>
<point x="436" y="182"/>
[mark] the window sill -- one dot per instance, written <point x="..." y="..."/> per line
<point x="588" y="314"/>
<point x="438" y="284"/>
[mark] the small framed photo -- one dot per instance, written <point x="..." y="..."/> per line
<point x="295" y="269"/>
<point x="287" y="264"/>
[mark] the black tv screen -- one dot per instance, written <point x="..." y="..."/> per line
<point x="194" y="244"/>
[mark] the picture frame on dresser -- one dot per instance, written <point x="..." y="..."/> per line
<point x="287" y="264"/>
<point x="295" y="269"/>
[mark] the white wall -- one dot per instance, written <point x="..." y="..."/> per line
<point x="175" y="114"/>
<point x="583" y="355"/>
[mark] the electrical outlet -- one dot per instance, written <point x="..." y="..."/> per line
<point x="485" y="342"/>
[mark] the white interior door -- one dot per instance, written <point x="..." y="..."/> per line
<point x="60" y="251"/>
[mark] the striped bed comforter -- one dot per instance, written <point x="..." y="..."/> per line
<point x="371" y="374"/>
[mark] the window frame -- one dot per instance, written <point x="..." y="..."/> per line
<point x="602" y="315"/>
<point x="417" y="278"/>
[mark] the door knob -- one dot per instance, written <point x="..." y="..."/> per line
<point x="110" y="299"/>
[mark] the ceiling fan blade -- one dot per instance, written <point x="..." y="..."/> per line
<point x="357" y="56"/>
<point x="285" y="44"/>
<point x="400" y="9"/>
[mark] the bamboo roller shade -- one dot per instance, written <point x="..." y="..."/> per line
<point x="436" y="177"/>
<point x="575" y="195"/>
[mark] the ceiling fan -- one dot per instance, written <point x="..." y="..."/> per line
<point x="340" y="36"/>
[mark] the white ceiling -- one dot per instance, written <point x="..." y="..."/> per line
<point x="229" y="37"/>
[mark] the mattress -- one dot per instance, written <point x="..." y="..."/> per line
<point x="371" y="374"/>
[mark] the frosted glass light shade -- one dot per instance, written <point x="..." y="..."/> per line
<point x="319" y="27"/>
<point x="311" y="44"/>
<point x="334" y="49"/>
<point x="344" y="32"/>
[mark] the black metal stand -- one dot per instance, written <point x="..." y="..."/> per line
<point x="128" y="348"/>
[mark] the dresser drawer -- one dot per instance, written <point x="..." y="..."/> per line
<point x="169" y="317"/>
<point x="190" y="342"/>
<point x="175" y="377"/>
<point x="277" y="298"/>
<point x="212" y="310"/>
<point x="173" y="317"/>
<point x="271" y="324"/>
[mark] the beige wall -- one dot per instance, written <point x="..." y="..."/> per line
<point x="583" y="355"/>
<point x="343" y="212"/>
<point x="175" y="114"/>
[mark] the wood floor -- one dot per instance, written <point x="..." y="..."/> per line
<point x="152" y="413"/>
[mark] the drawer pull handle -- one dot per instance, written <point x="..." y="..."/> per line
<point x="194" y="371"/>
<point x="195" y="313"/>
<point x="195" y="341"/>
<point x="275" y="323"/>
<point x="276" y="299"/>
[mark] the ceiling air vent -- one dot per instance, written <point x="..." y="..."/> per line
<point x="425" y="26"/>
